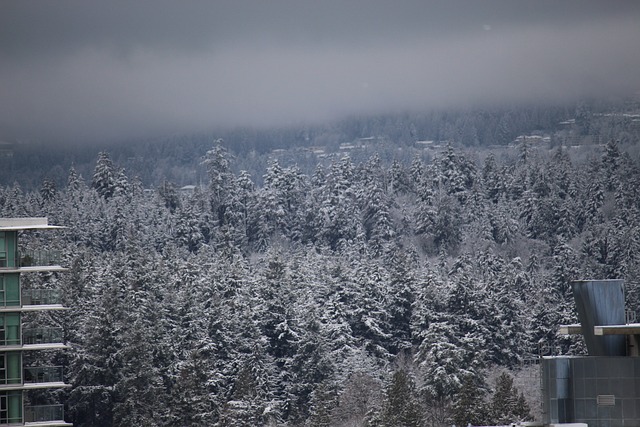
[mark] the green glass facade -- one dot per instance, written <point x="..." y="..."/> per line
<point x="10" y="333"/>
<point x="9" y="289"/>
<point x="10" y="407"/>
<point x="10" y="367"/>
<point x="8" y="246"/>
<point x="15" y="378"/>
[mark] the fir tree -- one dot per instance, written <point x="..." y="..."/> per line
<point x="470" y="407"/>
<point x="104" y="176"/>
<point x="507" y="404"/>
<point x="400" y="408"/>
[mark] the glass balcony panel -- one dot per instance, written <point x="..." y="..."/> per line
<point x="33" y="258"/>
<point x="43" y="374"/>
<point x="40" y="296"/>
<point x="43" y="413"/>
<point x="42" y="336"/>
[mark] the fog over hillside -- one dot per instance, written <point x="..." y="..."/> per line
<point x="87" y="71"/>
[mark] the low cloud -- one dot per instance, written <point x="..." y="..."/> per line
<point x="130" y="86"/>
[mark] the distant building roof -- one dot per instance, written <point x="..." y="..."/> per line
<point x="9" y="224"/>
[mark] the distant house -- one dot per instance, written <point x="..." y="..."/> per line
<point x="529" y="138"/>
<point x="425" y="144"/>
<point x="188" y="189"/>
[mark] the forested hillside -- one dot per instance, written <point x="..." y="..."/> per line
<point x="177" y="158"/>
<point x="359" y="294"/>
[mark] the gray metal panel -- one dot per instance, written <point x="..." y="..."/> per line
<point x="557" y="399"/>
<point x="601" y="302"/>
<point x="615" y="378"/>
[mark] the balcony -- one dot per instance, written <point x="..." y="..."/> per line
<point x="43" y="413"/>
<point x="30" y="259"/>
<point x="43" y="374"/>
<point x="32" y="300"/>
<point x="32" y="339"/>
<point x="33" y="378"/>
<point x="42" y="336"/>
<point x="26" y="258"/>
<point x="40" y="297"/>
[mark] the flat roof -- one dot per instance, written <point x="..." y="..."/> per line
<point x="574" y="329"/>
<point x="624" y="329"/>
<point x="628" y="329"/>
<point x="32" y="269"/>
<point x="37" y="223"/>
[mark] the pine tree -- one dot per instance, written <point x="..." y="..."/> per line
<point x="611" y="164"/>
<point x="322" y="403"/>
<point x="95" y="367"/>
<point x="121" y="185"/>
<point x="251" y="399"/>
<point x="377" y="222"/>
<point x="187" y="230"/>
<point x="217" y="162"/>
<point x="492" y="182"/>
<point x="104" y="176"/>
<point x="400" y="182"/>
<point x="359" y="399"/>
<point x="400" y="300"/>
<point x="169" y="195"/>
<point x="400" y="408"/>
<point x="338" y="212"/>
<point x="508" y="405"/>
<point x="191" y="403"/>
<point x="74" y="182"/>
<point x="48" y="191"/>
<point x="470" y="407"/>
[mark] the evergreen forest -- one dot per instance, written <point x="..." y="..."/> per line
<point x="362" y="292"/>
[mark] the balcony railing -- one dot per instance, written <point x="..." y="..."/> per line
<point x="36" y="374"/>
<point x="43" y="413"/>
<point x="27" y="258"/>
<point x="43" y="374"/>
<point x="42" y="336"/>
<point x="40" y="296"/>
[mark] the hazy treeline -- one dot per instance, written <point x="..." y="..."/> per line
<point x="177" y="157"/>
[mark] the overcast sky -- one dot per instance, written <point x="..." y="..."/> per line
<point x="98" y="70"/>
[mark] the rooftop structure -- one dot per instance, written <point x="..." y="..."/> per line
<point x="601" y="389"/>
<point x="16" y="302"/>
